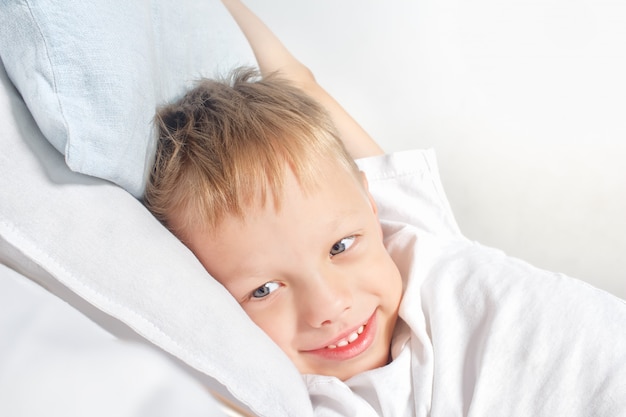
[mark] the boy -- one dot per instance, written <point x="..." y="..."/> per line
<point x="253" y="177"/>
<point x="264" y="168"/>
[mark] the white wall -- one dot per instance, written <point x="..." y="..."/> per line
<point x="524" y="102"/>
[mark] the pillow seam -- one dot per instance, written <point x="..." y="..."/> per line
<point x="53" y="75"/>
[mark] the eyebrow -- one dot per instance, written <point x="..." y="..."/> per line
<point x="342" y="217"/>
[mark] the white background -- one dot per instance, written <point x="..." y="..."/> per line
<point x="523" y="100"/>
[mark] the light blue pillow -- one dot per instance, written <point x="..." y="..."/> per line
<point x="92" y="72"/>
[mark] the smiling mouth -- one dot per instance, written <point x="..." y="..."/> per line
<point x="351" y="345"/>
<point x="352" y="337"/>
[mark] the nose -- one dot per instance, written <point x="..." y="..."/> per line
<point x="324" y="299"/>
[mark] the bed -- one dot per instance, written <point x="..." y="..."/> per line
<point x="94" y="286"/>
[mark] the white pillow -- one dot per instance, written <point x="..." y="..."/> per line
<point x="93" y="72"/>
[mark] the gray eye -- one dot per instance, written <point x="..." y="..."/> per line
<point x="265" y="290"/>
<point x="342" y="245"/>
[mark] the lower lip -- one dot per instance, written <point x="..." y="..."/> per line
<point x="353" y="349"/>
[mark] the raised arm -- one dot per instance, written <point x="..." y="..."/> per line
<point x="272" y="56"/>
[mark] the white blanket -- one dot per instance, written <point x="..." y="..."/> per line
<point x="484" y="334"/>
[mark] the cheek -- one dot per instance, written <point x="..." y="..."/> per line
<point x="276" y="324"/>
<point x="387" y="276"/>
<point x="395" y="287"/>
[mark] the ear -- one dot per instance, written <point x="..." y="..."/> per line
<point x="367" y="192"/>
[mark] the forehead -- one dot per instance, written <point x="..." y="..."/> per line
<point x="304" y="219"/>
<point x="325" y="182"/>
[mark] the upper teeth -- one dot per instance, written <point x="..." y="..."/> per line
<point x="351" y="338"/>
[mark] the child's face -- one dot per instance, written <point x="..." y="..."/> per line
<point x="314" y="276"/>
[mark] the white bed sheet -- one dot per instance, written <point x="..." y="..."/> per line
<point x="56" y="362"/>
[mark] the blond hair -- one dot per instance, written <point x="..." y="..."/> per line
<point x="227" y="143"/>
